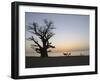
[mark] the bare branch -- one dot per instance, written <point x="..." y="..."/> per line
<point x="49" y="51"/>
<point x="37" y="50"/>
<point x="49" y="35"/>
<point x="49" y="45"/>
<point x="36" y="42"/>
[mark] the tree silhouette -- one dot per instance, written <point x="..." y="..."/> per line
<point x="44" y="33"/>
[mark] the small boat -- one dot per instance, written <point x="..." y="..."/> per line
<point x="66" y="53"/>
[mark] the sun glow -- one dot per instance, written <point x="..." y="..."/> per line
<point x="70" y="46"/>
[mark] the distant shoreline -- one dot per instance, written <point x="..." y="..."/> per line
<point x="34" y="62"/>
<point x="60" y="54"/>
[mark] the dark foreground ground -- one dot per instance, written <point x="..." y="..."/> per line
<point x="32" y="62"/>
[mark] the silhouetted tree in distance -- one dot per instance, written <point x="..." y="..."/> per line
<point x="44" y="33"/>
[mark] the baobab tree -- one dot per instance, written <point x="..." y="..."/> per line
<point x="44" y="33"/>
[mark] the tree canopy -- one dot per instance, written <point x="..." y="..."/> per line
<point x="44" y="33"/>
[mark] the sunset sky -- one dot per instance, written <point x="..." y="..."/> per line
<point x="71" y="33"/>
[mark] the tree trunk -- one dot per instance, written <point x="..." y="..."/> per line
<point x="44" y="53"/>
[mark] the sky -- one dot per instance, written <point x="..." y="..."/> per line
<point x="71" y="33"/>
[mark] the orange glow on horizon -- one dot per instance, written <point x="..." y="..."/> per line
<point x="70" y="46"/>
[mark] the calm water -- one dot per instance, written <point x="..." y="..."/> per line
<point x="73" y="53"/>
